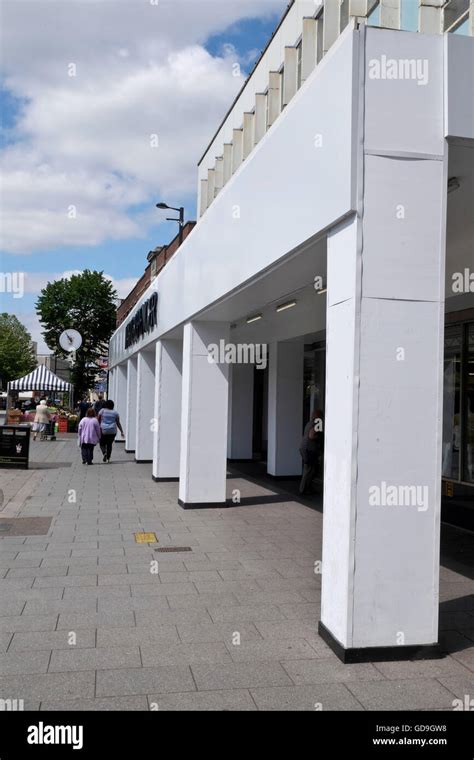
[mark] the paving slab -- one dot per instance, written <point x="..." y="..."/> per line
<point x="94" y="659"/>
<point x="204" y="701"/>
<point x="314" y="698"/>
<point x="159" y="680"/>
<point x="239" y="675"/>
<point x="413" y="694"/>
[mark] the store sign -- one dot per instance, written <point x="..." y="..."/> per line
<point x="142" y="322"/>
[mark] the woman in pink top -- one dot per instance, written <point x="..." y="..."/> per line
<point x="89" y="436"/>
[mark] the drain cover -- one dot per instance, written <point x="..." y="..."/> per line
<point x="174" y="549"/>
<point x="5" y="527"/>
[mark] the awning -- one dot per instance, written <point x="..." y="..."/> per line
<point x="41" y="379"/>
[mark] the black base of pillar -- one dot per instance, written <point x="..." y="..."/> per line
<point x="143" y="461"/>
<point x="240" y="461"/>
<point x="130" y="451"/>
<point x="284" y="477"/>
<point x="202" y="505"/>
<point x="164" y="480"/>
<point x="379" y="654"/>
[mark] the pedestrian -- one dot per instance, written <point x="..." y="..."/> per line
<point x="89" y="436"/>
<point x="109" y="421"/>
<point x="99" y="404"/>
<point x="84" y="405"/>
<point x="311" y="449"/>
<point x="41" y="421"/>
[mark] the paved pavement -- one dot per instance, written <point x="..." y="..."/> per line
<point x="87" y="624"/>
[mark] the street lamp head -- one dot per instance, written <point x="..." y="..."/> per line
<point x="162" y="205"/>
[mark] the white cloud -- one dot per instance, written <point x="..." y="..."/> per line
<point x="85" y="141"/>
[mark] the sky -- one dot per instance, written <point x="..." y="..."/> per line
<point x="107" y="106"/>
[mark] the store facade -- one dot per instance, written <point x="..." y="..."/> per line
<point x="336" y="233"/>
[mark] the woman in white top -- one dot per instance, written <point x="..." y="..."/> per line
<point x="42" y="417"/>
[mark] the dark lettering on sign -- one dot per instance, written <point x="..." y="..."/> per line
<point x="142" y="322"/>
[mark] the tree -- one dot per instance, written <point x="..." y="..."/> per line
<point x="83" y="302"/>
<point x="17" y="356"/>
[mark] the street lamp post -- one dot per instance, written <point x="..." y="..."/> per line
<point x="180" y="221"/>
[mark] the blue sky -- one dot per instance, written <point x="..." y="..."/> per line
<point x="82" y="141"/>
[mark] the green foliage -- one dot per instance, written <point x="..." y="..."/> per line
<point x="83" y="302"/>
<point x="17" y="357"/>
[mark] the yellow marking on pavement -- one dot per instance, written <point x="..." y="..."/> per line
<point x="146" y="538"/>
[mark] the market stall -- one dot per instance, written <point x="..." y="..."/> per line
<point x="45" y="383"/>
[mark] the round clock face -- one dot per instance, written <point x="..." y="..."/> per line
<point x="70" y="340"/>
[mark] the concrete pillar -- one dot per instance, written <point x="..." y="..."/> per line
<point x="285" y="408"/>
<point x="309" y="41"/>
<point x="203" y="197"/>
<point x="383" y="421"/>
<point x="274" y="97"/>
<point x="203" y="459"/>
<point x="120" y="398"/>
<point x="248" y="134"/>
<point x="290" y="76"/>
<point x="145" y="406"/>
<point x="131" y="406"/>
<point x="219" y="175"/>
<point x="237" y="148"/>
<point x="332" y="25"/>
<point x="430" y="16"/>
<point x="227" y="162"/>
<point x="168" y="390"/>
<point x="260" y="116"/>
<point x="211" y="185"/>
<point x="240" y="427"/>
<point x="390" y="14"/>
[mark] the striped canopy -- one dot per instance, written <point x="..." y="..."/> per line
<point x="41" y="379"/>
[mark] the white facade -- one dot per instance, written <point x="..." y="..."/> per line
<point x="348" y="185"/>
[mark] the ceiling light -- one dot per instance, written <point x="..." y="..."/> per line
<point x="255" y="318"/>
<point x="323" y="290"/>
<point x="285" y="306"/>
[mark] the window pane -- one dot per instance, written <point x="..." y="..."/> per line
<point x="373" y="18"/>
<point x="468" y="474"/>
<point x="451" y="401"/>
<point x="409" y="15"/>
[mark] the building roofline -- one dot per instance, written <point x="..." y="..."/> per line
<point x="285" y="14"/>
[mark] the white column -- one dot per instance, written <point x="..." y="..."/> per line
<point x="203" y="197"/>
<point x="167" y="430"/>
<point x="131" y="406"/>
<point x="309" y="52"/>
<point x="248" y="134"/>
<point x="145" y="406"/>
<point x="237" y="148"/>
<point x="430" y="16"/>
<point x="227" y="162"/>
<point x="260" y="116"/>
<point x="240" y="428"/>
<point x="203" y="457"/>
<point x="120" y="398"/>
<point x="390" y="14"/>
<point x="219" y="175"/>
<point x="384" y="411"/>
<point x="111" y="383"/>
<point x="285" y="408"/>
<point x="274" y="96"/>
<point x="211" y="185"/>
<point x="290" y="76"/>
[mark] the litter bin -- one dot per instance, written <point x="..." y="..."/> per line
<point x="14" y="446"/>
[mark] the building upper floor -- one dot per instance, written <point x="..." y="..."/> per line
<point x="157" y="259"/>
<point x="304" y="35"/>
